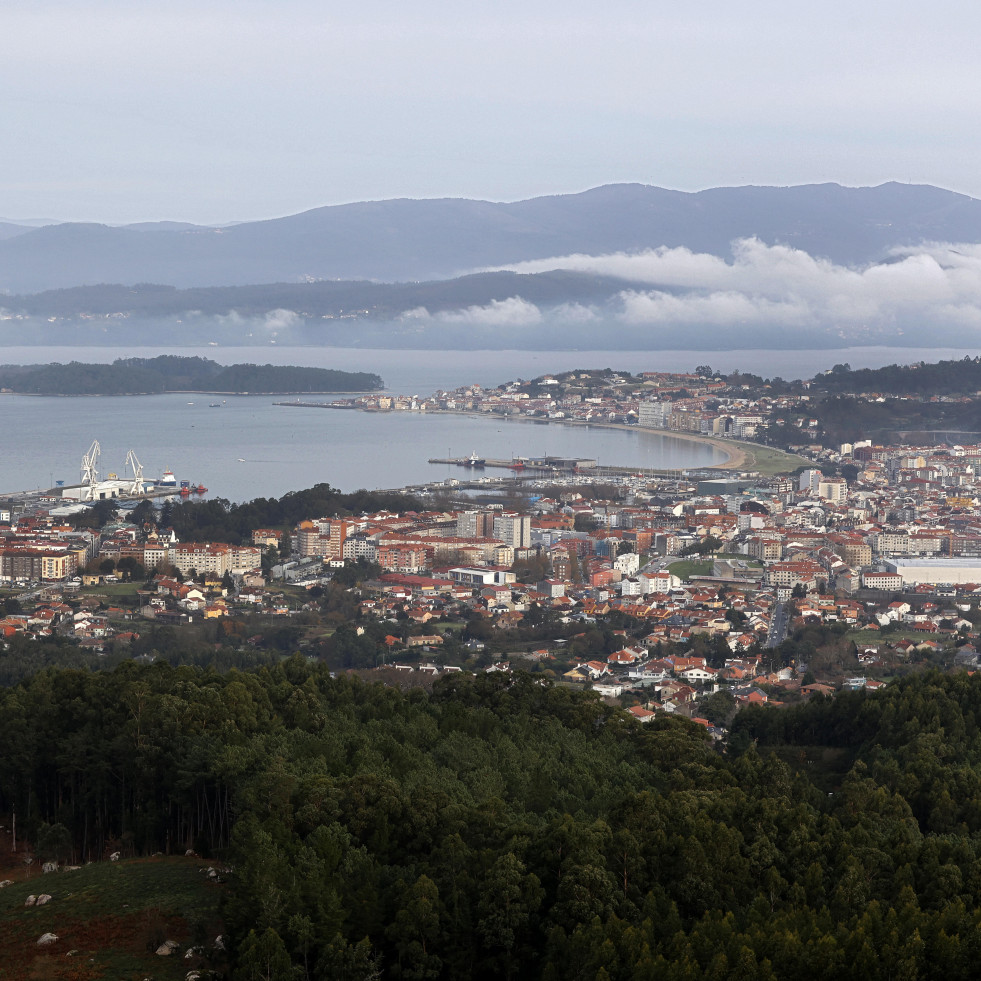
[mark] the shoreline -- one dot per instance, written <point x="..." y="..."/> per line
<point x="740" y="455"/>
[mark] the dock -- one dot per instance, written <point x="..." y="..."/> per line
<point x="547" y="464"/>
<point x="533" y="468"/>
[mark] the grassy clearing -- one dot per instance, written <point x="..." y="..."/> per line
<point x="874" y="638"/>
<point x="113" y="916"/>
<point x="768" y="460"/>
<point x="111" y="590"/>
<point x="687" y="568"/>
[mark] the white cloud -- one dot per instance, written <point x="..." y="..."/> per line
<point x="575" y="313"/>
<point x="512" y="312"/>
<point x="281" y="319"/>
<point x="774" y="285"/>
<point x="416" y="313"/>
<point x="272" y="320"/>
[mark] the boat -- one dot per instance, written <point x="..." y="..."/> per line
<point x="473" y="461"/>
<point x="214" y="405"/>
<point x="168" y="479"/>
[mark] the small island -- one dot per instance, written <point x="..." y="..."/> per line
<point x="170" y="373"/>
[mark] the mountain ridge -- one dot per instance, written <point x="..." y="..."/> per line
<point x="410" y="240"/>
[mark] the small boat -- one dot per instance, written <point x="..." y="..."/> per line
<point x="214" y="405"/>
<point x="241" y="459"/>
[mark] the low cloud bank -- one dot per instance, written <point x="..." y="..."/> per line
<point x="934" y="284"/>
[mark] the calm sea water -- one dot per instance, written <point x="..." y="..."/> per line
<point x="251" y="447"/>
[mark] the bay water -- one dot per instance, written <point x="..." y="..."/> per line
<point x="250" y="447"/>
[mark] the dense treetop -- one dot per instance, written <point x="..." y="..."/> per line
<point x="503" y="826"/>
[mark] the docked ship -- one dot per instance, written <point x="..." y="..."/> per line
<point x="473" y="461"/>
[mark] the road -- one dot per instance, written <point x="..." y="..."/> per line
<point x="778" y="626"/>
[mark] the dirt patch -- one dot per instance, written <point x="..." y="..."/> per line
<point x="97" y="946"/>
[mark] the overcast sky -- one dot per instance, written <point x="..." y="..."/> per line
<point x="223" y="110"/>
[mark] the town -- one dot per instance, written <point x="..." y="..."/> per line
<point x="663" y="593"/>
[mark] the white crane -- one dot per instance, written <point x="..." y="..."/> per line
<point x="136" y="488"/>
<point x="90" y="475"/>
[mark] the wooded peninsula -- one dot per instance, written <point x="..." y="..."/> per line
<point x="170" y="373"/>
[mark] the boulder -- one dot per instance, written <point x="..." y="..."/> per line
<point x="47" y="938"/>
<point x="42" y="899"/>
<point x="30" y="901"/>
<point x="5" y="883"/>
<point x="49" y="867"/>
<point x="114" y="857"/>
<point x="167" y="948"/>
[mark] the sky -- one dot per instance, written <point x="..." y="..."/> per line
<point x="215" y="111"/>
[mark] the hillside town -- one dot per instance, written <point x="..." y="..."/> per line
<point x="670" y="595"/>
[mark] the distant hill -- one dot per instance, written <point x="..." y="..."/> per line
<point x="168" y="373"/>
<point x="10" y="229"/>
<point x="409" y="240"/>
<point x="316" y="300"/>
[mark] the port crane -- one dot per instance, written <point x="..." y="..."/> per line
<point x="90" y="476"/>
<point x="135" y="489"/>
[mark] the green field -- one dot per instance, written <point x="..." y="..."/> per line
<point x="110" y="918"/>
<point x="687" y="568"/>
<point x="768" y="460"/>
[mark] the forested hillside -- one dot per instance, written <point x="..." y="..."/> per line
<point x="504" y="827"/>
<point x="171" y="373"/>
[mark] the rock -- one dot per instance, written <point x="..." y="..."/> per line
<point x="49" y="867"/>
<point x="192" y="976"/>
<point x="114" y="857"/>
<point x="190" y="853"/>
<point x="42" y="899"/>
<point x="219" y="942"/>
<point x="47" y="938"/>
<point x="167" y="948"/>
<point x="5" y="883"/>
<point x="30" y="901"/>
